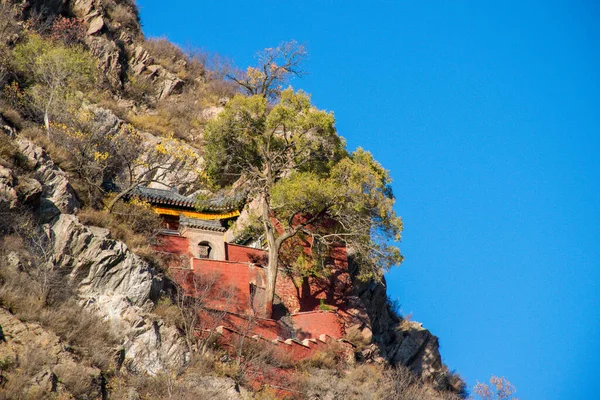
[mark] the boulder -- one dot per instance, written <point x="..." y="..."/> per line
<point x="29" y="191"/>
<point x="8" y="195"/>
<point x="57" y="194"/>
<point x="95" y="25"/>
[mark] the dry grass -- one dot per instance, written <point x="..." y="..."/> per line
<point x="123" y="16"/>
<point x="173" y="58"/>
<point x="333" y="356"/>
<point x="183" y="115"/>
<point x="9" y="152"/>
<point x="367" y="381"/>
<point x="355" y="337"/>
<point x="11" y="115"/>
<point x="133" y="223"/>
<point x="140" y="90"/>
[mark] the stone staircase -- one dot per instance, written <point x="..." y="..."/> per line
<point x="297" y="349"/>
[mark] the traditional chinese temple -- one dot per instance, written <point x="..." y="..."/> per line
<point x="303" y="309"/>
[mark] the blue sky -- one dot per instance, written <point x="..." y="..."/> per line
<point x="488" y="117"/>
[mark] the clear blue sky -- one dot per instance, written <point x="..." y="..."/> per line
<point x="488" y="117"/>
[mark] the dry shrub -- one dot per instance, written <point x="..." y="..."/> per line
<point x="133" y="222"/>
<point x="191" y="383"/>
<point x="20" y="375"/>
<point x="34" y="291"/>
<point x="183" y="115"/>
<point x="10" y="155"/>
<point x="124" y="15"/>
<point x="168" y="312"/>
<point x="88" y="335"/>
<point x="77" y="381"/>
<point x="104" y="100"/>
<point x="180" y="116"/>
<point x="139" y="89"/>
<point x="70" y="31"/>
<point x="211" y="91"/>
<point x="332" y="356"/>
<point x="188" y="65"/>
<point x="368" y="381"/>
<point x="59" y="154"/>
<point x="157" y="123"/>
<point x="167" y="54"/>
<point x="11" y="115"/>
<point x="357" y="339"/>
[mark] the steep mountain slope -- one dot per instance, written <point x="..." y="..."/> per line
<point x="83" y="315"/>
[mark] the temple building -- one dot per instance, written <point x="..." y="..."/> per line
<point x="203" y="231"/>
<point x="304" y="308"/>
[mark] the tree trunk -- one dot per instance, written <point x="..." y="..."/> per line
<point x="271" y="279"/>
<point x="47" y="123"/>
<point x="119" y="196"/>
<point x="272" y="265"/>
<point x="46" y="112"/>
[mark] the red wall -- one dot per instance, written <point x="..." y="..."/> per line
<point x="173" y="244"/>
<point x="315" y="323"/>
<point x="230" y="282"/>
<point x="235" y="252"/>
<point x="225" y="286"/>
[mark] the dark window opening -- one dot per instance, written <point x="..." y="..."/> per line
<point x="204" y="250"/>
<point x="170" y="222"/>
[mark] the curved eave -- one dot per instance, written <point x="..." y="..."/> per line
<point x="196" y="214"/>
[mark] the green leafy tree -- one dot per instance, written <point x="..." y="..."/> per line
<point x="296" y="169"/>
<point x="55" y="73"/>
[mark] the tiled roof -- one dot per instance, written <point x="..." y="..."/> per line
<point x="210" y="225"/>
<point x="222" y="202"/>
<point x="164" y="196"/>
<point x="172" y="198"/>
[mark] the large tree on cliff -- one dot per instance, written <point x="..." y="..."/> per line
<point x="291" y="160"/>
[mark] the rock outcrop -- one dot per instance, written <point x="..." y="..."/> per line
<point x="110" y="280"/>
<point x="57" y="194"/>
<point x="399" y="341"/>
<point x="121" y="287"/>
<point x="174" y="175"/>
<point x="43" y="359"/>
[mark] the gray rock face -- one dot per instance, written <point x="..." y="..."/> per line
<point x="400" y="342"/>
<point x="57" y="194"/>
<point x="150" y="346"/>
<point x="184" y="179"/>
<point x="101" y="265"/>
<point x="109" y="57"/>
<point x="110" y="279"/>
<point x="119" y="286"/>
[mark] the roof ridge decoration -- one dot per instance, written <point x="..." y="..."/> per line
<point x="170" y="197"/>
<point x="209" y="225"/>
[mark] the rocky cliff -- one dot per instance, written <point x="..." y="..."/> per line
<point x="108" y="281"/>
